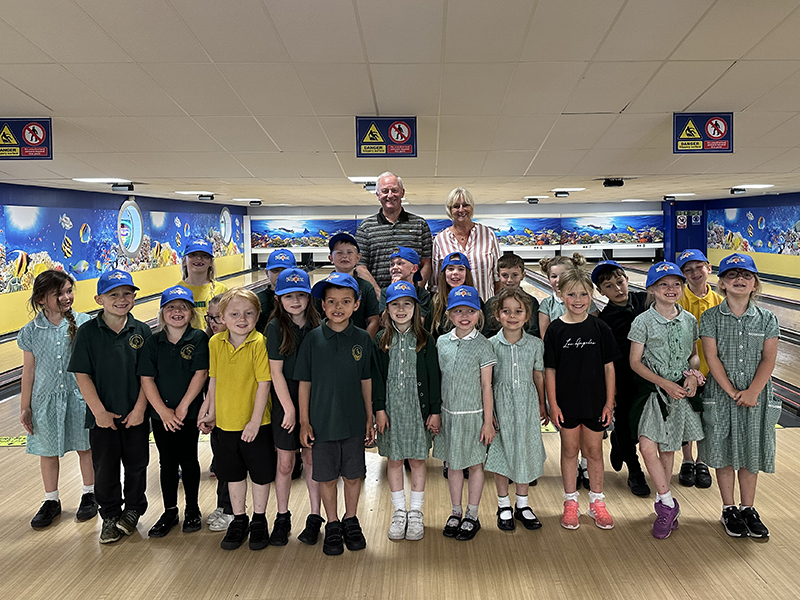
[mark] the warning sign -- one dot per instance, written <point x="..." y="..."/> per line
<point x="373" y="136"/>
<point x="26" y="139"/>
<point x="715" y="133"/>
<point x="716" y="128"/>
<point x="690" y="132"/>
<point x="386" y="136"/>
<point x="680" y="219"/>
<point x="399" y="132"/>
<point x="6" y="137"/>
<point x="33" y="134"/>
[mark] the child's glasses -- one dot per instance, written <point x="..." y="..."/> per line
<point x="736" y="273"/>
<point x="213" y="320"/>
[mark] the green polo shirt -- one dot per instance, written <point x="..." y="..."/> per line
<point x="111" y="360"/>
<point x="173" y="366"/>
<point x="266" y="298"/>
<point x="335" y="364"/>
<point x="274" y="341"/>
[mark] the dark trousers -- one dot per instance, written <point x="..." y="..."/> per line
<point x="223" y="494"/>
<point x="623" y="440"/>
<point x="131" y="448"/>
<point x="178" y="450"/>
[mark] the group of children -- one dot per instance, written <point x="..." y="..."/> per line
<point x="471" y="381"/>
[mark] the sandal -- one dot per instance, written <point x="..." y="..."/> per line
<point x="452" y="526"/>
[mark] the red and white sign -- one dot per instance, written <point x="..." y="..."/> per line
<point x="716" y="128"/>
<point x="399" y="131"/>
<point x="681" y="221"/>
<point x="33" y="134"/>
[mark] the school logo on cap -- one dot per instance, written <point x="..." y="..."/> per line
<point x="358" y="352"/>
<point x="116" y="275"/>
<point x="281" y="256"/>
<point x="186" y="351"/>
<point x="734" y="260"/>
<point x="402" y="286"/>
<point x="686" y="254"/>
<point x="136" y="341"/>
<point x="463" y="292"/>
<point x="179" y="291"/>
<point x="663" y="267"/>
<point x="293" y="278"/>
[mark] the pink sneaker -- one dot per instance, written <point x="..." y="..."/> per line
<point x="571" y="514"/>
<point x="597" y="510"/>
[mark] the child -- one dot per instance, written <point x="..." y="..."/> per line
<point x="579" y="360"/>
<point x="697" y="298"/>
<point x="664" y="355"/>
<point x="517" y="452"/>
<point x="198" y="272"/>
<point x="278" y="260"/>
<point x="293" y="318"/>
<point x="740" y="411"/>
<point x="455" y="271"/>
<point x="404" y="266"/>
<point x="512" y="271"/>
<point x="345" y="255"/>
<point x="333" y="369"/>
<point x="174" y="369"/>
<point x="622" y="308"/>
<point x="51" y="408"/>
<point x="407" y="402"/>
<point x="466" y="359"/>
<point x="105" y="358"/>
<point x="220" y="518"/>
<point x="237" y="407"/>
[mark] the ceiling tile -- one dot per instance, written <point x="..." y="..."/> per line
<point x="649" y="161"/>
<point x="745" y="160"/>
<point x="407" y="89"/>
<point x="633" y="131"/>
<point x="604" y="162"/>
<point x="68" y="137"/>
<point x="783" y="135"/>
<point x="422" y="166"/>
<point x="466" y="133"/>
<point x="215" y="164"/>
<point x="557" y="162"/>
<point x="268" y="88"/>
<point x="200" y="89"/>
<point x="16" y="48"/>
<point x="506" y="164"/>
<point x="165" y="164"/>
<point x="743" y="84"/>
<point x="750" y="125"/>
<point x="113" y="164"/>
<point x="315" y="164"/>
<point x="68" y="166"/>
<point x="782" y="97"/>
<point x="179" y="133"/>
<point x="782" y="42"/>
<point x="340" y="133"/>
<point x="542" y="88"/>
<point x="18" y="104"/>
<point x="362" y="167"/>
<point x="296" y="134"/>
<point x="407" y="32"/>
<point x="783" y="163"/>
<point x="691" y="164"/>
<point x="499" y="28"/>
<point x="474" y="89"/>
<point x="601" y="88"/>
<point x="337" y="89"/>
<point x="121" y="133"/>
<point x="237" y="134"/>
<point x="522" y="133"/>
<point x="576" y="132"/>
<point x="460" y="164"/>
<point x="266" y="164"/>
<point x="676" y="85"/>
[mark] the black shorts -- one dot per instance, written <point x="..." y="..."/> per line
<point x="283" y="439"/>
<point x="235" y="459"/>
<point x="595" y="424"/>
<point x="338" y="458"/>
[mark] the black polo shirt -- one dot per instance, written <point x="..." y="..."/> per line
<point x="111" y="359"/>
<point x="336" y="364"/>
<point x="274" y="341"/>
<point x="173" y="366"/>
<point x="266" y="298"/>
<point x="366" y="309"/>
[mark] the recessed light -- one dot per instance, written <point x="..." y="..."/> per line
<point x="194" y="192"/>
<point x="101" y="180"/>
<point x="754" y="186"/>
<point x="567" y="190"/>
<point x="633" y="200"/>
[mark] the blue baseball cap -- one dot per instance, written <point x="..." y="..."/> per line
<point x="456" y="258"/>
<point x="340" y="279"/>
<point x="661" y="270"/>
<point x="411" y="256"/>
<point x="463" y="295"/>
<point x="401" y="289"/>
<point x="342" y="237"/>
<point x="114" y="279"/>
<point x="737" y="261"/>
<point x="199" y="245"/>
<point x="690" y="255"/>
<point x="602" y="266"/>
<point x="280" y="258"/>
<point x="292" y="280"/>
<point x="177" y="292"/>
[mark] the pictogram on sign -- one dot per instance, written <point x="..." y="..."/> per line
<point x="716" y="128"/>
<point x="373" y="136"/>
<point x="6" y="137"/>
<point x="399" y="131"/>
<point x="690" y="132"/>
<point x="33" y="133"/>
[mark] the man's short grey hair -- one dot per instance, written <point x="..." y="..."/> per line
<point x="384" y="175"/>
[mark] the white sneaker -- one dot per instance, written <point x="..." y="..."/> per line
<point x="415" y="529"/>
<point x="221" y="524"/>
<point x="397" y="531"/>
<point x="215" y="514"/>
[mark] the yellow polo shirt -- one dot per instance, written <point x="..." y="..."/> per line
<point x="238" y="372"/>
<point x="697" y="306"/>
<point x="202" y="296"/>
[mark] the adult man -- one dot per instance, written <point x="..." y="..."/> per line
<point x="380" y="235"/>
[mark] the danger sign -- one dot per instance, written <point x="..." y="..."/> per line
<point x="399" y="131"/>
<point x="33" y="133"/>
<point x="716" y="128"/>
<point x="386" y="136"/>
<point x="26" y="139"/>
<point x="695" y="133"/>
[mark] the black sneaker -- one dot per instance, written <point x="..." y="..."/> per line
<point x="353" y="536"/>
<point x="192" y="520"/>
<point x="128" y="521"/>
<point x="444" y="471"/>
<point x="333" y="544"/>
<point x="310" y="534"/>
<point x="259" y="533"/>
<point x="165" y="523"/>
<point x="615" y="456"/>
<point x="87" y="508"/>
<point x="755" y="527"/>
<point x="687" y="476"/>
<point x="297" y="471"/>
<point x="109" y="533"/>
<point x="733" y="522"/>
<point x="49" y="510"/>
<point x="638" y="484"/>
<point x="702" y="476"/>
<point x="584" y="474"/>
<point x="236" y="533"/>
<point x="281" y="529"/>
<point x="505" y="524"/>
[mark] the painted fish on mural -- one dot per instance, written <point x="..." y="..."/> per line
<point x="324" y="233"/>
<point x="85" y="233"/>
<point x="762" y="222"/>
<point x="750" y="230"/>
<point x="66" y="246"/>
<point x="178" y="238"/>
<point x="186" y="230"/>
<point x="65" y="221"/>
<point x="631" y="229"/>
<point x="750" y="216"/>
<point x="20" y="263"/>
<point x="177" y="222"/>
<point x="80" y="267"/>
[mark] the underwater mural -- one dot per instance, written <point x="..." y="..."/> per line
<point x="539" y="231"/>
<point x="613" y="229"/>
<point x="767" y="229"/>
<point x="297" y="232"/>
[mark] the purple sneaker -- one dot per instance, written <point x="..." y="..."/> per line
<point x="666" y="520"/>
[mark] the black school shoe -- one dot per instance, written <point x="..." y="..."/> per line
<point x="583" y="478"/>
<point x="192" y="520"/>
<point x="733" y="522"/>
<point x="164" y="525"/>
<point x="353" y="536"/>
<point x="638" y="484"/>
<point x="333" y="544"/>
<point x="310" y="534"/>
<point x="451" y="526"/>
<point x="49" y="510"/>
<point x="505" y="524"/>
<point x="687" y="476"/>
<point x="297" y="471"/>
<point x="87" y="508"/>
<point x="615" y="456"/>
<point x="259" y="533"/>
<point x="281" y="529"/>
<point x="702" y="476"/>
<point x="533" y="523"/>
<point x="755" y="527"/>
<point x="236" y="533"/>
<point x="469" y="527"/>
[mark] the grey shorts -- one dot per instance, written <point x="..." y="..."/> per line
<point x="343" y="458"/>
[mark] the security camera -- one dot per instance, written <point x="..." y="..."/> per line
<point x="371" y="186"/>
<point x="613" y="182"/>
<point x="532" y="199"/>
<point x="255" y="202"/>
<point x="205" y="197"/>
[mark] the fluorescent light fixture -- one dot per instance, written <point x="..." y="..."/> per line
<point x="205" y="197"/>
<point x="633" y="200"/>
<point x="122" y="187"/>
<point x="536" y="197"/>
<point x="561" y="194"/>
<point x="245" y="199"/>
<point x="278" y="204"/>
<point x="682" y="194"/>
<point x="193" y="192"/>
<point x="101" y="180"/>
<point x="517" y="201"/>
<point x="363" y="179"/>
<point x="754" y="186"/>
<point x="554" y="190"/>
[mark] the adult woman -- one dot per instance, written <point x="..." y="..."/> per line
<point x="476" y="241"/>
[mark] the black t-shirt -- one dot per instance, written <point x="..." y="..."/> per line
<point x="275" y="339"/>
<point x="579" y="352"/>
<point x="619" y="318"/>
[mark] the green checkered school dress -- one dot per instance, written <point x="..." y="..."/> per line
<point x="737" y="436"/>
<point x="517" y="451"/>
<point x="668" y="344"/>
<point x="461" y="360"/>
<point x="406" y="436"/>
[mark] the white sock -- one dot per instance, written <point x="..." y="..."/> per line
<point x="666" y="499"/>
<point x="690" y="461"/>
<point x="399" y="500"/>
<point x="51" y="495"/>
<point x="522" y="501"/>
<point x="417" y="498"/>
<point x="472" y="511"/>
<point x="457" y="510"/>
<point x="88" y="489"/>
<point x="572" y="496"/>
<point x="742" y="507"/>
<point x="595" y="497"/>
<point x="504" y="504"/>
<point x="727" y="506"/>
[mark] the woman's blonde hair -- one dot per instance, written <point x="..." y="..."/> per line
<point x="162" y="323"/>
<point x="454" y="196"/>
<point x="573" y="262"/>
